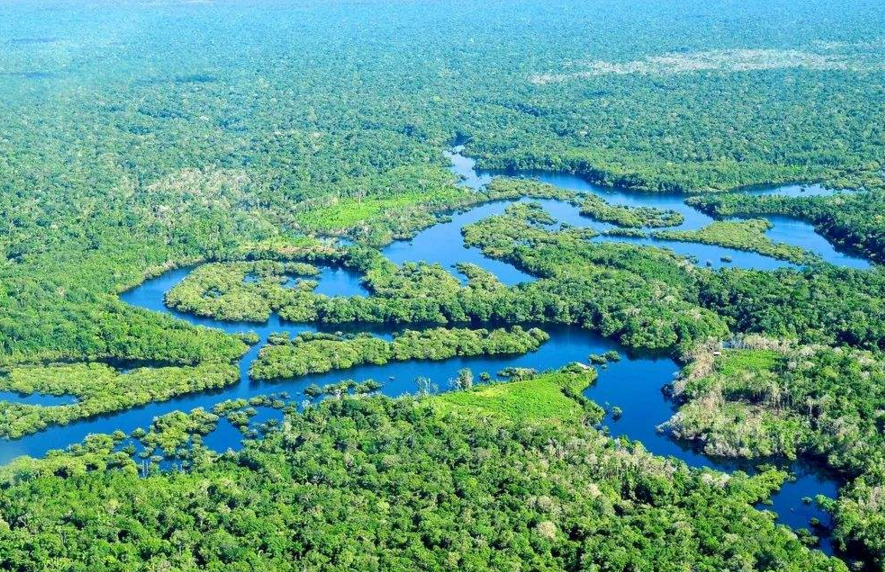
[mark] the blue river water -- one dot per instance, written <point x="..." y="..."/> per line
<point x="634" y="384"/>
<point x="785" y="230"/>
<point x="37" y="398"/>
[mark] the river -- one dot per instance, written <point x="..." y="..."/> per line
<point x="633" y="384"/>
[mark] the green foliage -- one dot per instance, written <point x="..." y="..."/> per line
<point x="823" y="403"/>
<point x="138" y="138"/>
<point x="741" y="235"/>
<point x="849" y="220"/>
<point x="174" y="431"/>
<point x="319" y="353"/>
<point x="406" y="485"/>
<point x="75" y="327"/>
<point x="860" y="519"/>
<point x="823" y="304"/>
<point x="95" y="453"/>
<point x="554" y="396"/>
<point x="99" y="389"/>
<point x="150" y="161"/>
<point x="590" y="205"/>
<point x="646" y="298"/>
<point x="396" y="202"/>
<point x="635" y="217"/>
<point x="241" y="291"/>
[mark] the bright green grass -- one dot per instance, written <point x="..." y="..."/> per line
<point x="541" y="398"/>
<point x="348" y="212"/>
<point x="735" y="362"/>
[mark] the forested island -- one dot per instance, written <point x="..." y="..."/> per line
<point x="430" y="286"/>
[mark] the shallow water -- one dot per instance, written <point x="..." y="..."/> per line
<point x="634" y="383"/>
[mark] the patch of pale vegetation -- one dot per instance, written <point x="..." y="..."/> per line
<point x="871" y="44"/>
<point x="701" y="359"/>
<point x="209" y="183"/>
<point x="714" y="60"/>
<point x="196" y="190"/>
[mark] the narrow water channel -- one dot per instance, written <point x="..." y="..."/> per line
<point x="633" y="384"/>
<point x="784" y="230"/>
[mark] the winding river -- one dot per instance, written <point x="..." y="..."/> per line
<point x="786" y="230"/>
<point x="634" y="383"/>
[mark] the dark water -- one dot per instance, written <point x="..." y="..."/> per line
<point x="633" y="384"/>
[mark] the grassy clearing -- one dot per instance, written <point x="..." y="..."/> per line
<point x="739" y="362"/>
<point x="339" y="214"/>
<point x="546" y="397"/>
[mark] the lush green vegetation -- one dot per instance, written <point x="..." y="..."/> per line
<point x="766" y="402"/>
<point x="139" y="137"/>
<point x="824" y="304"/>
<point x="83" y="326"/>
<point x="338" y="215"/>
<point x="600" y="210"/>
<point x="646" y="298"/>
<point x="319" y="353"/>
<point x="119" y="160"/>
<point x="775" y="399"/>
<point x="741" y="235"/>
<point x="241" y="291"/>
<point x="859" y="517"/>
<point x="816" y="305"/>
<point x="553" y="495"/>
<point x="554" y="396"/>
<point x="850" y="220"/>
<point x="175" y="437"/>
<point x="98" y="389"/>
<point x="590" y="205"/>
<point x="666" y="308"/>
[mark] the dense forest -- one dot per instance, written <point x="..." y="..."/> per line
<point x="264" y="144"/>
<point x="742" y="235"/>
<point x="765" y="398"/>
<point x="319" y="353"/>
<point x="97" y="388"/>
<point x="116" y="165"/>
<point x="427" y="484"/>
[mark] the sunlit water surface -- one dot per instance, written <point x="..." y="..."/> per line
<point x="633" y="384"/>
